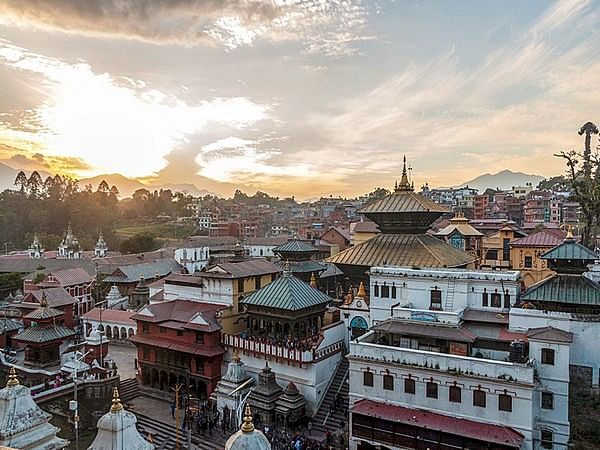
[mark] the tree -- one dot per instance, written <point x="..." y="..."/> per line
<point x="103" y="187"/>
<point x="21" y="181"/>
<point x="586" y="190"/>
<point x="34" y="184"/>
<point x="140" y="243"/>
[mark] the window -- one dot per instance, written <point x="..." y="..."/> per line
<point x="528" y="262"/>
<point x="393" y="291"/>
<point x="257" y="282"/>
<point x="492" y="254"/>
<point x="548" y="356"/>
<point x="146" y="352"/>
<point x="145" y="327"/>
<point x="385" y="291"/>
<point x="368" y="378"/>
<point x="506" y="249"/>
<point x="506" y="300"/>
<point x="376" y="290"/>
<point x="454" y="394"/>
<point x="409" y="386"/>
<point x="479" y="398"/>
<point x="199" y="337"/>
<point x="162" y="329"/>
<point x="547" y="400"/>
<point x="388" y="382"/>
<point x="179" y="332"/>
<point x="241" y="285"/>
<point x="484" y="298"/>
<point x="436" y="300"/>
<point x="546" y="439"/>
<point x="432" y="390"/>
<point x="504" y="402"/>
<point x="496" y="300"/>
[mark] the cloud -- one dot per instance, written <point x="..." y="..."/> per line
<point x="111" y="123"/>
<point x="516" y="107"/>
<point x="333" y="27"/>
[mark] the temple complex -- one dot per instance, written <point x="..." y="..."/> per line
<point x="44" y="337"/>
<point x="117" y="430"/>
<point x="403" y="218"/>
<point x="23" y="424"/>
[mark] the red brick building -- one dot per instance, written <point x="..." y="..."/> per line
<point x="56" y="297"/>
<point x="77" y="282"/>
<point x="178" y="341"/>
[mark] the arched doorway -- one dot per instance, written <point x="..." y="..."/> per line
<point x="358" y="327"/>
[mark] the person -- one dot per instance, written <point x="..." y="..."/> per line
<point x="46" y="384"/>
<point x="309" y="427"/>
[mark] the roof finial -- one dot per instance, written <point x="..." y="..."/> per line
<point x="116" y="401"/>
<point x="569" y="235"/>
<point x="12" y="378"/>
<point x="44" y="300"/>
<point x="313" y="280"/>
<point x="247" y="425"/>
<point x="404" y="183"/>
<point x="361" y="291"/>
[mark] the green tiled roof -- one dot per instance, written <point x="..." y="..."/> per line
<point x="564" y="288"/>
<point x="289" y="293"/>
<point x="44" y="334"/>
<point x="295" y="246"/>
<point x="571" y="250"/>
<point x="44" y="312"/>
<point x="302" y="266"/>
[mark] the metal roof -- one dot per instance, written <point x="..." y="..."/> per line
<point x="241" y="269"/>
<point x="67" y="277"/>
<point x="295" y="246"/>
<point x="550" y="334"/>
<point x="44" y="334"/>
<point x="186" y="312"/>
<point x="8" y="325"/>
<point x="301" y="266"/>
<point x="133" y="273"/>
<point x="289" y="293"/>
<point x="402" y="202"/>
<point x="209" y="241"/>
<point x="542" y="239"/>
<point x="55" y="296"/>
<point x="409" y="250"/>
<point x="564" y="288"/>
<point x="452" y="333"/>
<point x="43" y="312"/>
<point x="571" y="250"/>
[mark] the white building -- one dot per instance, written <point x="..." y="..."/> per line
<point x="440" y="366"/>
<point x="35" y="249"/>
<point x="263" y="247"/>
<point x="196" y="252"/>
<point x="69" y="247"/>
<point x="101" y="248"/>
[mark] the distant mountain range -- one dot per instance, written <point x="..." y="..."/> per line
<point x="503" y="180"/>
<point x="126" y="186"/>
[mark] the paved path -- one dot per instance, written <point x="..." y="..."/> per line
<point x="124" y="357"/>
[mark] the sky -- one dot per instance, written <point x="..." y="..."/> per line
<point x="296" y="97"/>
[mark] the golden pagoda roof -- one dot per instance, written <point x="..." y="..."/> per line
<point x="408" y="250"/>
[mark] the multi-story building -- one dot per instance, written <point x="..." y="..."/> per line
<point x="77" y="282"/>
<point x="263" y="247"/>
<point x="441" y="368"/>
<point x="495" y="248"/>
<point x="197" y="252"/>
<point x="480" y="206"/>
<point x="537" y="207"/>
<point x="526" y="254"/>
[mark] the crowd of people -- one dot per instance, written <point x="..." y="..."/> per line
<point x="286" y="440"/>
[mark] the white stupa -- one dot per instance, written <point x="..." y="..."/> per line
<point x="35" y="249"/>
<point x="101" y="248"/>
<point x="248" y="438"/>
<point x="69" y="247"/>
<point x="233" y="380"/>
<point x="117" y="431"/>
<point x="114" y="297"/>
<point x="23" y="424"/>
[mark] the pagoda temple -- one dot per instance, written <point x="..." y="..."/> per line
<point x="298" y="257"/>
<point x="117" y="430"/>
<point x="23" y="424"/>
<point x="264" y="396"/>
<point x="140" y="295"/>
<point x="289" y="409"/>
<point x="45" y="335"/>
<point x="403" y="218"/>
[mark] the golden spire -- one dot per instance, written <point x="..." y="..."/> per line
<point x="404" y="184"/>
<point x="12" y="378"/>
<point x="361" y="291"/>
<point x="247" y="425"/>
<point x="116" y="401"/>
<point x="313" y="280"/>
<point x="349" y="296"/>
<point x="569" y="232"/>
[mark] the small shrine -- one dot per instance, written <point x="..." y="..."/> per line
<point x="36" y="250"/>
<point x="140" y="295"/>
<point x="96" y="347"/>
<point x="248" y="438"/>
<point x="44" y="337"/>
<point x="117" y="430"/>
<point x="264" y="396"/>
<point x="289" y="409"/>
<point x="101" y="248"/>
<point x="69" y="247"/>
<point x="233" y="380"/>
<point x="23" y="424"/>
<point x="114" y="299"/>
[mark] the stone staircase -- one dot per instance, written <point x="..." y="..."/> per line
<point x="324" y="420"/>
<point x="164" y="436"/>
<point x="128" y="389"/>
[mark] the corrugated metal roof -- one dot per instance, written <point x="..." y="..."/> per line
<point x="564" y="288"/>
<point x="44" y="334"/>
<point x="402" y="202"/>
<point x="289" y="293"/>
<point x="242" y="269"/>
<point x="409" y="250"/>
<point x="295" y="246"/>
<point x="56" y="296"/>
<point x="571" y="250"/>
<point x="542" y="239"/>
<point x="43" y="312"/>
<point x="7" y="325"/>
<point x="68" y="277"/>
<point x="302" y="266"/>
<point x="134" y="272"/>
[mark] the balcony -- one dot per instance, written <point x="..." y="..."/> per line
<point x="465" y="365"/>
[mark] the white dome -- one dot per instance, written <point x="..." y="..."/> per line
<point x="248" y="438"/>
